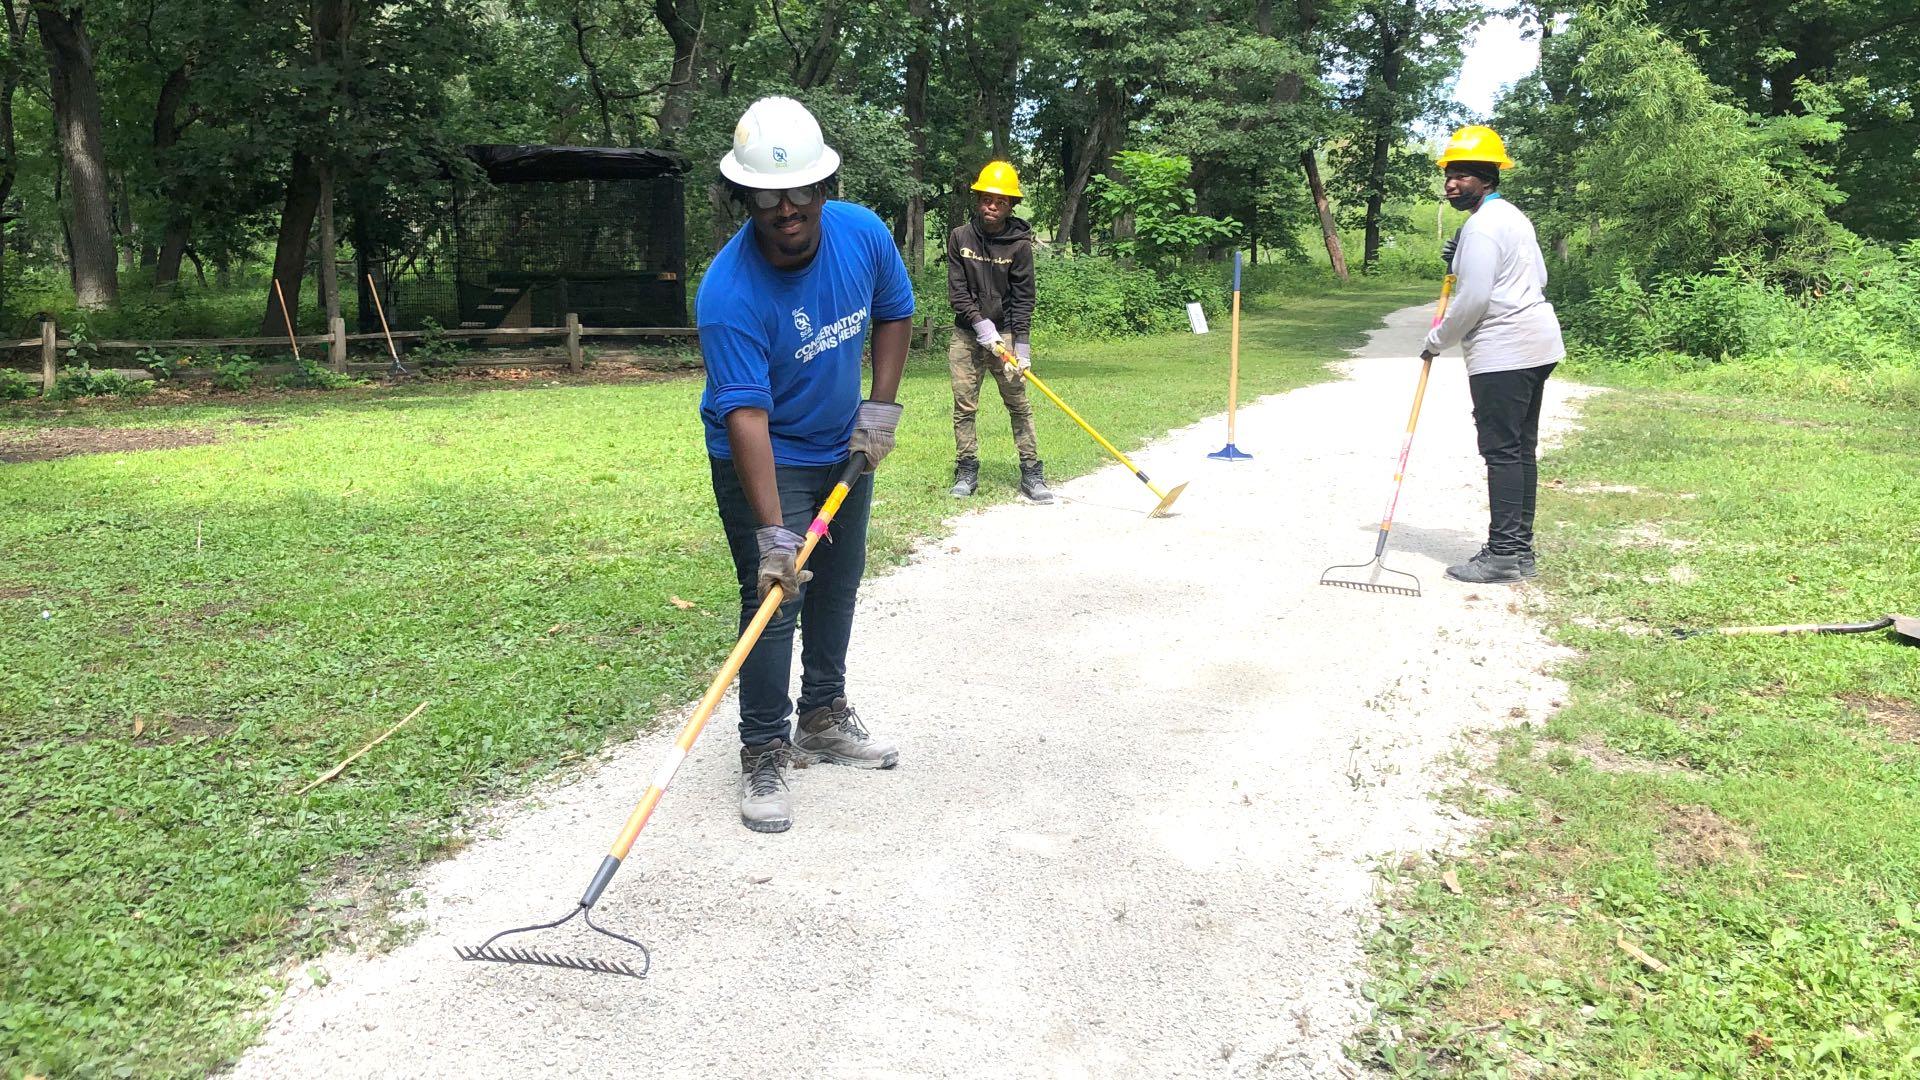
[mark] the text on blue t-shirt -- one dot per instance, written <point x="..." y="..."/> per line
<point x="791" y="342"/>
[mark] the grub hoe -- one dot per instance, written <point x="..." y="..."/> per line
<point x="637" y="820"/>
<point x="1166" y="497"/>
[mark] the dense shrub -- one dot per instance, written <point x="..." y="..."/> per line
<point x="1856" y="335"/>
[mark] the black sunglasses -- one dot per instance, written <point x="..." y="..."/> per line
<point x="765" y="199"/>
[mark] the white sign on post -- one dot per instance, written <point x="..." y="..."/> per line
<point x="1197" y="317"/>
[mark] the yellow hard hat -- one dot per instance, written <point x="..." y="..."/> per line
<point x="1475" y="142"/>
<point x="998" y="178"/>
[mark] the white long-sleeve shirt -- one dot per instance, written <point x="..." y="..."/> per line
<point x="1499" y="310"/>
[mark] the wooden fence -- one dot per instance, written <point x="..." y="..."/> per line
<point x="50" y="343"/>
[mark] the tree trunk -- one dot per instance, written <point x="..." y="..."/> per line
<point x="913" y="247"/>
<point x="76" y="112"/>
<point x="1092" y="151"/>
<point x="167" y="129"/>
<point x="290" y="252"/>
<point x="813" y="66"/>
<point x="1329" y="232"/>
<point x="682" y="20"/>
<point x="329" y="251"/>
<point x="1386" y="127"/>
<point x="9" y="81"/>
<point x="173" y="247"/>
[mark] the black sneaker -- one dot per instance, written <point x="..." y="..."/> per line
<point x="1033" y="483"/>
<point x="966" y="477"/>
<point x="1487" y="568"/>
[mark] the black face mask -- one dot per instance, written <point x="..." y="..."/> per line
<point x="1469" y="203"/>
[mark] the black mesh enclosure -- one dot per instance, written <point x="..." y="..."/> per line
<point x="597" y="231"/>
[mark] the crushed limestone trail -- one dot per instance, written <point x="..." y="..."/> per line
<point x="1147" y="768"/>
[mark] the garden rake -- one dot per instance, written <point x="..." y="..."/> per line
<point x="662" y="777"/>
<point x="1366" y="576"/>
<point x="1166" y="497"/>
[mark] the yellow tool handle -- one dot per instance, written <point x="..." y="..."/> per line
<point x="1233" y="353"/>
<point x="1419" y="395"/>
<point x="1013" y="362"/>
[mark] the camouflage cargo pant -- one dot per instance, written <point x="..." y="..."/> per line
<point x="969" y="363"/>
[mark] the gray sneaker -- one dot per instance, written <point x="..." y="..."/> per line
<point x="766" y="805"/>
<point x="834" y="733"/>
<point x="1486" y="568"/>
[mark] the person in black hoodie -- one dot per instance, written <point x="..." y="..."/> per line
<point x="990" y="284"/>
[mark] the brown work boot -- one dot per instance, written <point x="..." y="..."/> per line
<point x="766" y="805"/>
<point x="834" y="733"/>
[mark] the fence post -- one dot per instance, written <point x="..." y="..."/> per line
<point x="574" y="359"/>
<point x="337" y="348"/>
<point x="49" y="356"/>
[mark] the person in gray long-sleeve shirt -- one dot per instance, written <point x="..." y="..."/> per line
<point x="1512" y="338"/>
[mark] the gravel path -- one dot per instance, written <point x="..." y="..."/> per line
<point x="1146" y="769"/>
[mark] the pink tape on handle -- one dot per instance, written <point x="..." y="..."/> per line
<point x="819" y="527"/>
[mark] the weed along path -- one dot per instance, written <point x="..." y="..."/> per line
<point x="1146" y="768"/>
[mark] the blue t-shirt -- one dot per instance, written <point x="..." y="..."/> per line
<point x="791" y="341"/>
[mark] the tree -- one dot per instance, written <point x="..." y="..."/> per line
<point x="77" y="119"/>
<point x="1404" y="53"/>
<point x="1852" y="60"/>
<point x="1152" y="198"/>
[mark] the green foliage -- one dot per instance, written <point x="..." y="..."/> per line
<point x="1150" y="206"/>
<point x="434" y="348"/>
<point x="1746" y="810"/>
<point x="17" y="385"/>
<point x="235" y="371"/>
<point x="309" y="375"/>
<point x="1680" y="177"/>
<point x="83" y="381"/>
<point x="1855" y="336"/>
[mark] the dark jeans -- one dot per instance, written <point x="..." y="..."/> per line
<point x="824" y="609"/>
<point x="1506" y="410"/>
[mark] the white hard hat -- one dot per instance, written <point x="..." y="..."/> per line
<point x="778" y="144"/>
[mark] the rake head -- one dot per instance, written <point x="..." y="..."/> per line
<point x="1166" y="502"/>
<point x="1366" y="578"/>
<point x="487" y="950"/>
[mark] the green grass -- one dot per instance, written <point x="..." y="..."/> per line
<point x="1746" y="811"/>
<point x="195" y="633"/>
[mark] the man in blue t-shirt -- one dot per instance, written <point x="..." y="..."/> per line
<point x="784" y="313"/>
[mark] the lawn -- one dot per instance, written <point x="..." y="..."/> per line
<point x="194" y="633"/>
<point x="1708" y="863"/>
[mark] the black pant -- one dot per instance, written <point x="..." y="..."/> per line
<point x="1506" y="410"/>
<point x="825" y="606"/>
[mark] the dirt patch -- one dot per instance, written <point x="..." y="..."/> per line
<point x="1593" y="748"/>
<point x="1696" y="837"/>
<point x="47" y="444"/>
<point x="1899" y="719"/>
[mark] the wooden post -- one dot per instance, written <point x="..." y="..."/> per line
<point x="49" y="356"/>
<point x="337" y="348"/>
<point x="574" y="358"/>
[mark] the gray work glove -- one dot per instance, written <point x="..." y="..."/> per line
<point x="779" y="547"/>
<point x="873" y="429"/>
<point x="1023" y="352"/>
<point x="986" y="333"/>
<point x="1447" y="249"/>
